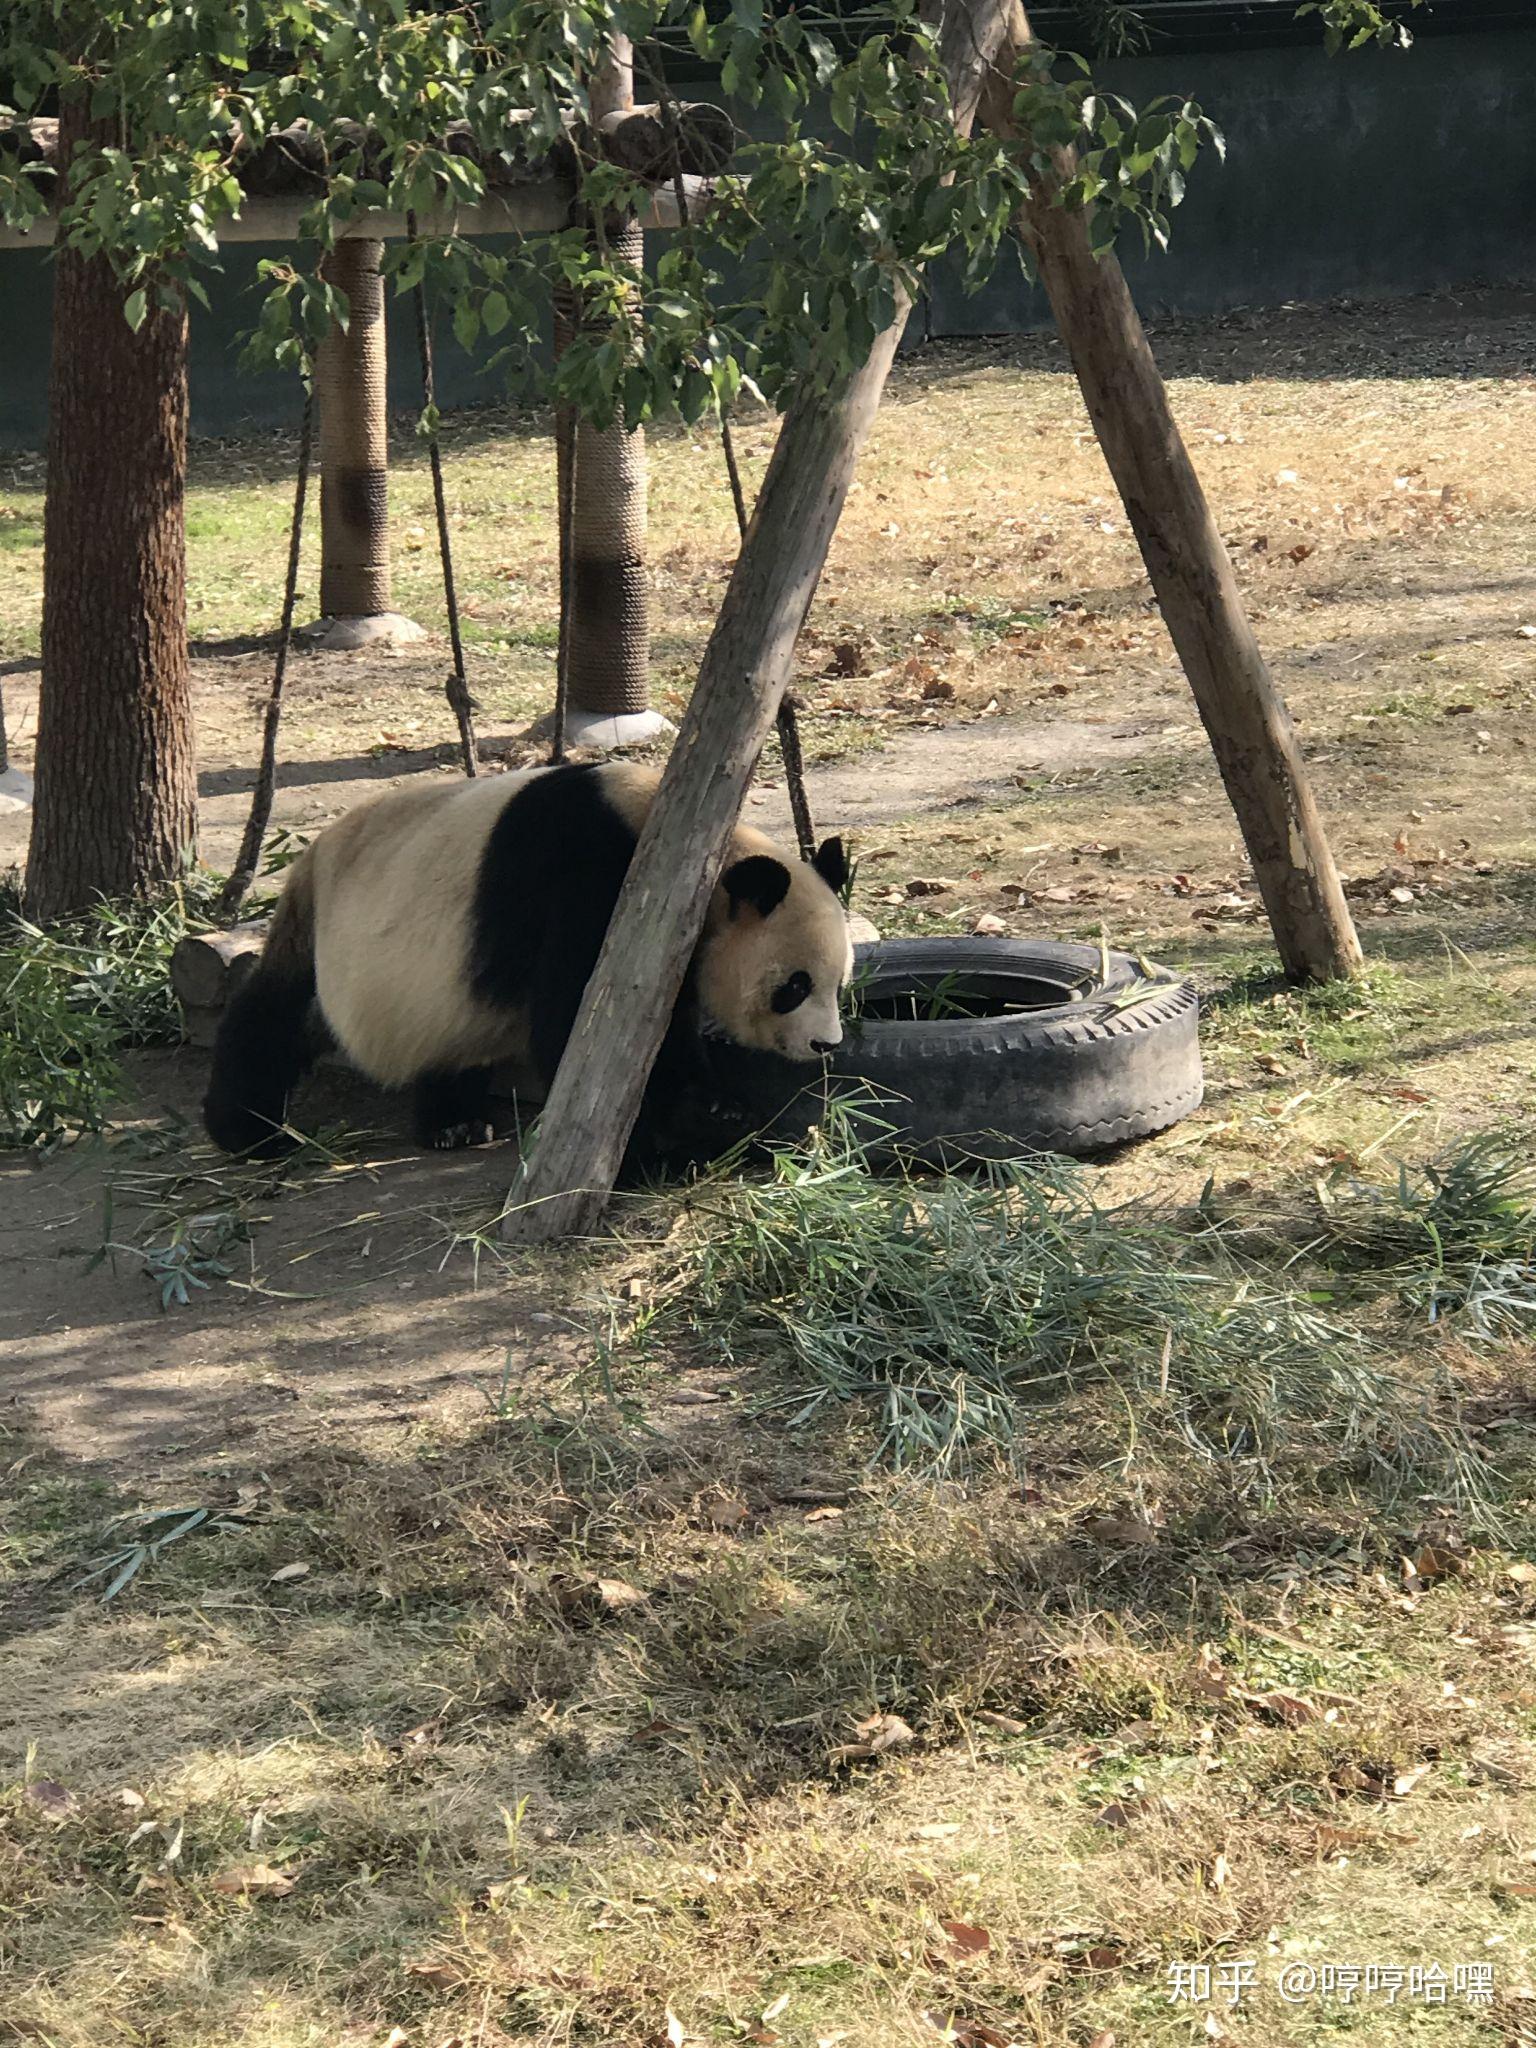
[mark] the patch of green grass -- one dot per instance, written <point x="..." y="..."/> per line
<point x="20" y="533"/>
<point x="1345" y="1025"/>
<point x="953" y="1307"/>
<point x="990" y="620"/>
<point x="43" y="1518"/>
<point x="1413" y="707"/>
<point x="75" y="995"/>
<point x="1455" y="1237"/>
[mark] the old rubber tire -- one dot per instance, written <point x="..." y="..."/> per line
<point x="1097" y="1058"/>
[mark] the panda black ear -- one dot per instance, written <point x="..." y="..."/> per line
<point x="759" y="880"/>
<point x="831" y="863"/>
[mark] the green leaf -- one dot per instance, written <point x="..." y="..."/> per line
<point x="466" y="324"/>
<point x="495" y="312"/>
<point x="696" y="395"/>
<point x="136" y="308"/>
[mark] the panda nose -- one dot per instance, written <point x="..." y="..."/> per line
<point x="825" y="1044"/>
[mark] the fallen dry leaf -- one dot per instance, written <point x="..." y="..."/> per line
<point x="436" y="1974"/>
<point x="1432" y="1563"/>
<point x="1118" y="1814"/>
<point x="1405" y="1781"/>
<point x="1209" y="1677"/>
<point x="1331" y="1840"/>
<point x="988" y="927"/>
<point x="876" y="1735"/>
<point x="654" y="1729"/>
<point x="255" y="1881"/>
<point x="49" y="1798"/>
<point x="617" y="1593"/>
<point x="286" y="1572"/>
<point x="1293" y="1708"/>
<point x="1005" y="1724"/>
<point x="726" y="1514"/>
<point x="847" y="658"/>
<point x="938" y="1830"/>
<point x="1119" y="1529"/>
<point x="1099" y="1956"/>
<point x="965" y="1939"/>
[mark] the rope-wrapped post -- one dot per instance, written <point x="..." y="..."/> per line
<point x="15" y="787"/>
<point x="351" y="368"/>
<point x="605" y="623"/>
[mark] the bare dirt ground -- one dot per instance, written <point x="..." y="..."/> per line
<point x="993" y="702"/>
<point x="992" y="707"/>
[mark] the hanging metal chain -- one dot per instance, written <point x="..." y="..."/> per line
<point x="457" y="684"/>
<point x="243" y="873"/>
<point x="567" y="517"/>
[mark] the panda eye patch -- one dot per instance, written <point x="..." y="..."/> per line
<point x="789" y="995"/>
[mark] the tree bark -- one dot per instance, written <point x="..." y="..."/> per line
<point x="592" y="1107"/>
<point x="115" y="809"/>
<point x="350" y="374"/>
<point x="1245" y="717"/>
<point x="606" y="639"/>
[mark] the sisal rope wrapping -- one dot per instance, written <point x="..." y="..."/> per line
<point x="609" y="630"/>
<point x="354" y="454"/>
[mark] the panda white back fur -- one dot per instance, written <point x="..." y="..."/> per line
<point x="444" y="930"/>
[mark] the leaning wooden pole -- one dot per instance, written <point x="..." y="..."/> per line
<point x="596" y="1096"/>
<point x="1245" y="717"/>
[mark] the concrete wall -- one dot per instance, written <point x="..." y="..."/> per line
<point x="1379" y="174"/>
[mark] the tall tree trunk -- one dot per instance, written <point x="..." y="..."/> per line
<point x="115" y="811"/>
<point x="592" y="1107"/>
<point x="1245" y="717"/>
<point x="606" y="640"/>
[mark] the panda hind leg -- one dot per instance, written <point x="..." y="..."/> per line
<point x="453" y="1109"/>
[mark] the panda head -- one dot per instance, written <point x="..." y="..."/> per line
<point x="776" y="954"/>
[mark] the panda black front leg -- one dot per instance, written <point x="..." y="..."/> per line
<point x="453" y="1109"/>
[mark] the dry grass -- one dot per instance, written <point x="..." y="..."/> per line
<point x="546" y="1739"/>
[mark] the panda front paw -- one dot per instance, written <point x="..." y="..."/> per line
<point x="455" y="1137"/>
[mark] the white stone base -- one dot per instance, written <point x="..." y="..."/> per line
<point x="378" y="629"/>
<point x="605" y="733"/>
<point x="15" y="790"/>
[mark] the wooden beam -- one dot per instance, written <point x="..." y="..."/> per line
<point x="1245" y="717"/>
<point x="582" y="1135"/>
<point x="283" y="178"/>
<point x="538" y="206"/>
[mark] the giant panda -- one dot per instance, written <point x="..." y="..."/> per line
<point x="443" y="930"/>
